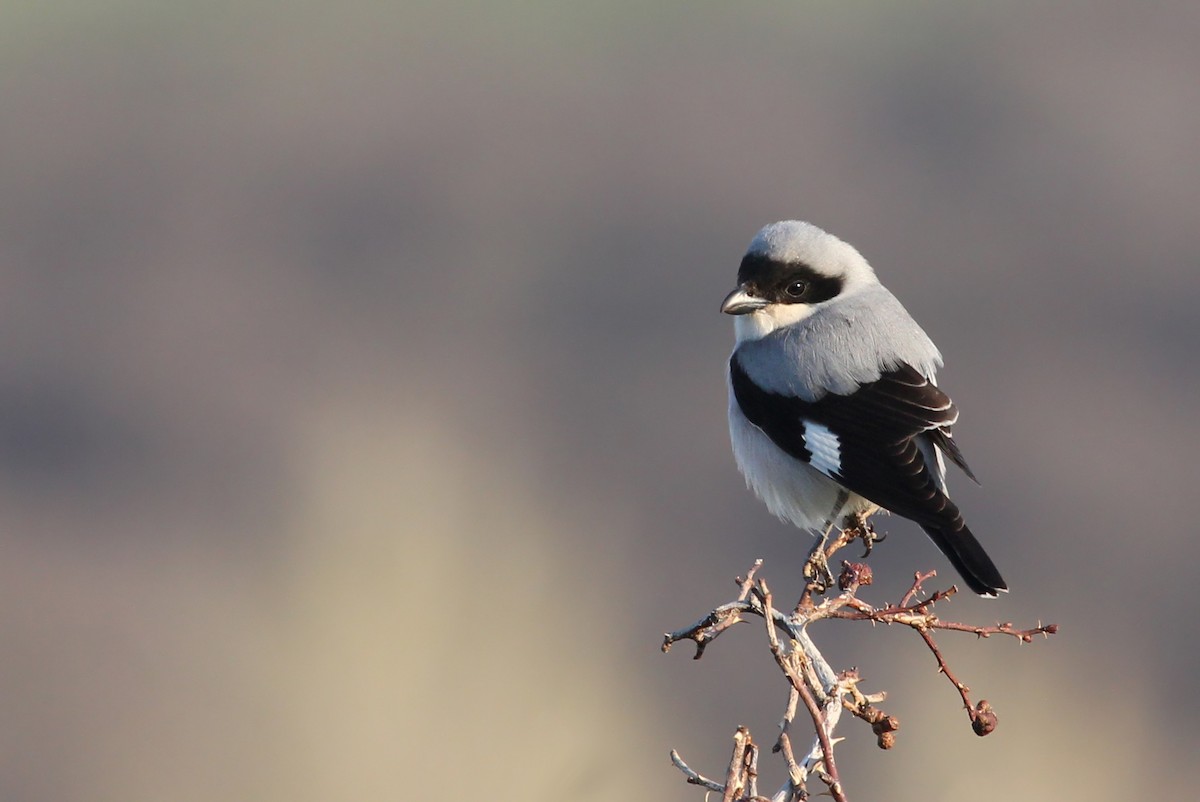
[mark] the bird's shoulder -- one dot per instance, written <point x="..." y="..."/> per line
<point x="839" y="348"/>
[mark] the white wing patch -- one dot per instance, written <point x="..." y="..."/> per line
<point x="824" y="446"/>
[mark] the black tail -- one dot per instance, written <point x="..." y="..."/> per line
<point x="968" y="558"/>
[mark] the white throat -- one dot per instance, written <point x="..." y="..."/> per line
<point x="757" y="325"/>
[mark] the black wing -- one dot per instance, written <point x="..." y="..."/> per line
<point x="877" y="431"/>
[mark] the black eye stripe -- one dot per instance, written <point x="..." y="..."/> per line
<point x="772" y="278"/>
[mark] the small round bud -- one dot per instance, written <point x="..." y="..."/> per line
<point x="983" y="720"/>
<point x="854" y="574"/>
<point x="886" y="724"/>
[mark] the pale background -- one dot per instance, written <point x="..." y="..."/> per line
<point x="361" y="399"/>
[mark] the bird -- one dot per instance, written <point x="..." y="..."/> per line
<point x="834" y="408"/>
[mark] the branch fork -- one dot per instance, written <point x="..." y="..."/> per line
<point x="813" y="684"/>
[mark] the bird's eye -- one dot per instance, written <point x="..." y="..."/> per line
<point x="796" y="289"/>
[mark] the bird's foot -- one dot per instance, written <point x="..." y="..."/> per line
<point x="859" y="528"/>
<point x="816" y="567"/>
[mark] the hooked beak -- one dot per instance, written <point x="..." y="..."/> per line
<point x="740" y="302"/>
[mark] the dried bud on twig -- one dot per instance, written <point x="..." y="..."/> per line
<point x="815" y="688"/>
<point x="885" y="724"/>
<point x="983" y="718"/>
<point x="855" y="574"/>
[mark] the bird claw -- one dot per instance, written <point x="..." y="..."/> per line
<point x="817" y="572"/>
<point x="869" y="538"/>
<point x="816" y="567"/>
<point x="861" y="529"/>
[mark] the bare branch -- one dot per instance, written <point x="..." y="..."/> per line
<point x="694" y="777"/>
<point x="793" y="665"/>
<point x="812" y="682"/>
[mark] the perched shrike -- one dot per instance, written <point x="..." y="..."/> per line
<point x="833" y="408"/>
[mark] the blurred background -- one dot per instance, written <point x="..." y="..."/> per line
<point x="362" y="411"/>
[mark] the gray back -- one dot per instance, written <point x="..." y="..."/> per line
<point x="842" y="345"/>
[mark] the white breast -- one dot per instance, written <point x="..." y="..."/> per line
<point x="792" y="490"/>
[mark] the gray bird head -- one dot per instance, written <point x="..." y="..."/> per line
<point x="790" y="269"/>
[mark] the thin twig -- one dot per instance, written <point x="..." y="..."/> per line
<point x="735" y="776"/>
<point x="694" y="777"/>
<point x="796" y="774"/>
<point x="792" y="666"/>
<point x="825" y="693"/>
